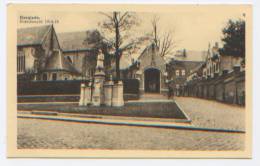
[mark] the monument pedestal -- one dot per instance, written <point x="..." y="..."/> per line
<point x="108" y="92"/>
<point x="98" y="93"/>
<point x="87" y="98"/>
<point x="82" y="95"/>
<point x="117" y="98"/>
<point x="96" y="98"/>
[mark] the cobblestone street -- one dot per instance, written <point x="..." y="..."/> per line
<point x="57" y="135"/>
<point x="33" y="133"/>
<point x="212" y="114"/>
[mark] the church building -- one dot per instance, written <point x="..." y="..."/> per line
<point x="39" y="55"/>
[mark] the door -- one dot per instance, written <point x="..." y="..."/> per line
<point x="152" y="80"/>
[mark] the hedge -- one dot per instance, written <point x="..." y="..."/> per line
<point x="48" y="87"/>
<point x="131" y="86"/>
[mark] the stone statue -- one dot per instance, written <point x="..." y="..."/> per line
<point x="100" y="60"/>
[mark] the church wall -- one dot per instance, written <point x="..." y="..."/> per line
<point x="82" y="61"/>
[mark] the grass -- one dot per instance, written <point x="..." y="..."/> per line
<point x="152" y="110"/>
<point x="62" y="98"/>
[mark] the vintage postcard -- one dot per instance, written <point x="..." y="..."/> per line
<point x="129" y="81"/>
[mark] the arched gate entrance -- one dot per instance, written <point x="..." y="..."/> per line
<point x="152" y="80"/>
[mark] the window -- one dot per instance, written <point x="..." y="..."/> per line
<point x="20" y="62"/>
<point x="44" y="77"/>
<point x="183" y="72"/>
<point x="177" y="72"/>
<point x="54" y="76"/>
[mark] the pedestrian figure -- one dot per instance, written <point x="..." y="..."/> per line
<point x="170" y="92"/>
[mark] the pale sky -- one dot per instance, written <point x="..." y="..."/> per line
<point x="193" y="29"/>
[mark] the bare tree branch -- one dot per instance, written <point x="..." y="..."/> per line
<point x="116" y="24"/>
<point x="107" y="15"/>
<point x="165" y="42"/>
<point x="122" y="17"/>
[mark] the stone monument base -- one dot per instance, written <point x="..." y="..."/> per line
<point x="117" y="97"/>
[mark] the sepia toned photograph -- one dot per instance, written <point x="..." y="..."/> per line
<point x="129" y="81"/>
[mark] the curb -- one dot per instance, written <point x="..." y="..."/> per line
<point x="185" y="114"/>
<point x="167" y="126"/>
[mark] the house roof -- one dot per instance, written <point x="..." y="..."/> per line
<point x="197" y="68"/>
<point x="188" y="65"/>
<point x="191" y="55"/>
<point x="57" y="62"/>
<point x="73" y="41"/>
<point x="32" y="35"/>
<point x="144" y="49"/>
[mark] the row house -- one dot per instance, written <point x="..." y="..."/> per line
<point x="212" y="62"/>
<point x="217" y="65"/>
<point x="178" y="72"/>
<point x="220" y="77"/>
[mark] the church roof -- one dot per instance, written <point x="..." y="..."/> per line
<point x="73" y="41"/>
<point x="57" y="62"/>
<point x="32" y="35"/>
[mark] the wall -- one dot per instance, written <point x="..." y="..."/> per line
<point x="219" y="92"/>
<point x="229" y="88"/>
<point x="61" y="75"/>
<point x="29" y="58"/>
<point x="82" y="61"/>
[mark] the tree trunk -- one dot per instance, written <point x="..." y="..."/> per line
<point x="117" y="55"/>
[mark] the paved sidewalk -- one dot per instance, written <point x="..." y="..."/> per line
<point x="147" y="122"/>
<point x="212" y="114"/>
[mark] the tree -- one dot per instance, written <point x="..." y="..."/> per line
<point x="164" y="42"/>
<point x="234" y="38"/>
<point x="118" y="24"/>
<point x="96" y="41"/>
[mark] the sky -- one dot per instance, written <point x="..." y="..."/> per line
<point x="192" y="29"/>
